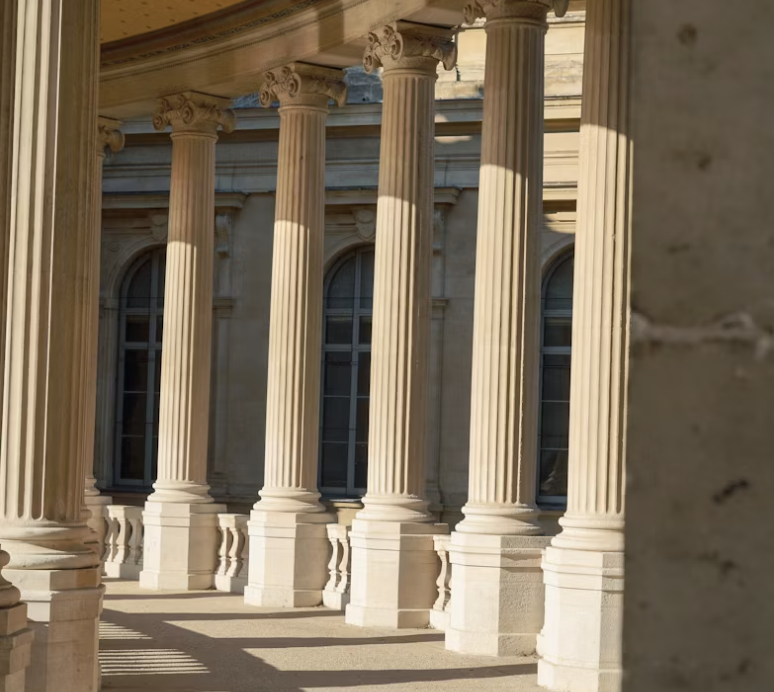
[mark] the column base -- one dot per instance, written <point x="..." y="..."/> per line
<point x="580" y="645"/>
<point x="63" y="607"/>
<point x="180" y="549"/>
<point x="15" y="648"/>
<point x="394" y="572"/>
<point x="289" y="554"/>
<point x="335" y="600"/>
<point x="497" y="598"/>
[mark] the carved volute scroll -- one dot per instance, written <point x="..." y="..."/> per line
<point x="195" y="113"/>
<point x="109" y="136"/>
<point x="500" y="9"/>
<point x="403" y="44"/>
<point x="303" y="85"/>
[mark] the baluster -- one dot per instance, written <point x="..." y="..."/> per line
<point x="343" y="587"/>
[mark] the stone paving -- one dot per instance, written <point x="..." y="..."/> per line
<point x="212" y="642"/>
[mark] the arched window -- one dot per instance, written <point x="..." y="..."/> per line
<point x="139" y="370"/>
<point x="555" y="358"/>
<point x="346" y="371"/>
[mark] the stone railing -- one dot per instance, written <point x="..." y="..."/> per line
<point x="123" y="542"/>
<point x="336" y="591"/>
<point x="231" y="575"/>
<point x="439" y="615"/>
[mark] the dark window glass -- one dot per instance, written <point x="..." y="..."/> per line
<point x="338" y="330"/>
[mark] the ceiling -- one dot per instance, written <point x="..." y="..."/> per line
<point x="122" y="19"/>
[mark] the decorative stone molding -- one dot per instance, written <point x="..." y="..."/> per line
<point x="365" y="222"/>
<point x="223" y="223"/>
<point x="192" y="111"/>
<point x="303" y="85"/>
<point x="402" y="44"/>
<point x="159" y="226"/>
<point x="502" y="9"/>
<point x="109" y="136"/>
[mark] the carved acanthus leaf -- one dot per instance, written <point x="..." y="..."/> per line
<point x="195" y="111"/>
<point x="401" y="41"/>
<point x="515" y="8"/>
<point x="299" y="83"/>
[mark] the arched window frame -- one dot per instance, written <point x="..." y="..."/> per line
<point x="153" y="346"/>
<point x="360" y="350"/>
<point x="556" y="315"/>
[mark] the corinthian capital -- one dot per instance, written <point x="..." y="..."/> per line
<point x="109" y="135"/>
<point x="515" y="9"/>
<point x="303" y="85"/>
<point x="194" y="112"/>
<point x="402" y="44"/>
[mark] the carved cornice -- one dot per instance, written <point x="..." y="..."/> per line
<point x="402" y="44"/>
<point x="302" y="84"/>
<point x="109" y="135"/>
<point x="513" y="9"/>
<point x="195" y="112"/>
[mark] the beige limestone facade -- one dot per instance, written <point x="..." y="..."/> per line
<point x="354" y="355"/>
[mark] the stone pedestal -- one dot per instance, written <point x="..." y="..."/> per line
<point x="580" y="644"/>
<point x="48" y="327"/>
<point x="497" y="597"/>
<point x="289" y="547"/>
<point x="394" y="572"/>
<point x="394" y="565"/>
<point x="497" y="600"/>
<point x="180" y="522"/>
<point x="15" y="636"/>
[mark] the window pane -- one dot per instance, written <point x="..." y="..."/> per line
<point x="556" y="378"/>
<point x="335" y="419"/>
<point x="138" y="295"/>
<point x="161" y="280"/>
<point x="364" y="374"/>
<point x="361" y="429"/>
<point x="334" y="465"/>
<point x="134" y="414"/>
<point x="159" y="329"/>
<point x="154" y="458"/>
<point x="557" y="331"/>
<point x="554" y="425"/>
<point x="361" y="465"/>
<point x="338" y="330"/>
<point x="135" y="370"/>
<point x="367" y="281"/>
<point x="341" y="290"/>
<point x="553" y="472"/>
<point x="364" y="334"/>
<point x="338" y="373"/>
<point x="137" y="328"/>
<point x="133" y="458"/>
<point x="157" y="375"/>
<point x="558" y="295"/>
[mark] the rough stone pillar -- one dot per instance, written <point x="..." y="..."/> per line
<point x="697" y="608"/>
<point x="288" y="540"/>
<point x="180" y="519"/>
<point x="583" y="568"/>
<point x="42" y="525"/>
<point x="108" y="135"/>
<point x="497" y="607"/>
<point x="393" y="559"/>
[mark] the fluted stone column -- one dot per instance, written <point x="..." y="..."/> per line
<point x="180" y="518"/>
<point x="15" y="637"/>
<point x="288" y="540"/>
<point x="581" y="640"/>
<point x="496" y="550"/>
<point x="393" y="559"/>
<point x="108" y="136"/>
<point x="50" y="229"/>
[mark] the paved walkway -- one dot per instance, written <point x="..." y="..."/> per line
<point x="211" y="642"/>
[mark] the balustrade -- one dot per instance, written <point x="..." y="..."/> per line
<point x="123" y="542"/>
<point x="439" y="615"/>
<point x="231" y="575"/>
<point x="336" y="592"/>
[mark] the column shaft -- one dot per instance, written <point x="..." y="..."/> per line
<point x="288" y="541"/>
<point x="45" y="340"/>
<point x="506" y="326"/>
<point x="177" y="557"/>
<point x="293" y="391"/>
<point x="581" y="639"/>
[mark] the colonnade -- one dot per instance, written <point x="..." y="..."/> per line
<point x="49" y="346"/>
